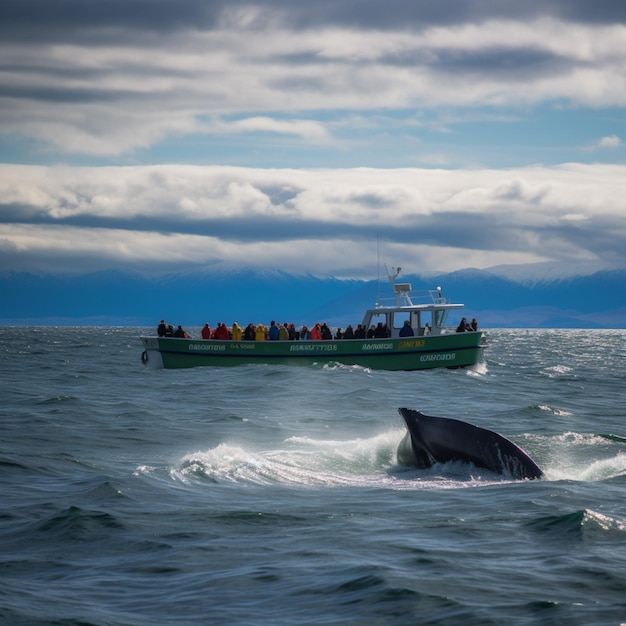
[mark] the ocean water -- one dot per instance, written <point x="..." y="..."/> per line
<point x="272" y="495"/>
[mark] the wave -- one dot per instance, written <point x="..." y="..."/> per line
<point x="557" y="371"/>
<point x="304" y="461"/>
<point x="299" y="461"/>
<point x="478" y="369"/>
<point x="551" y="409"/>
<point x="76" y="524"/>
<point x="372" y="462"/>
<point x="58" y="399"/>
<point x="580" y="522"/>
<point x="594" y="471"/>
<point x="585" y="457"/>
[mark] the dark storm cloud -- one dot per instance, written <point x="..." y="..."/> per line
<point x="465" y="234"/>
<point x="67" y="94"/>
<point x="419" y="14"/>
<point x="71" y="20"/>
<point x="503" y="63"/>
<point x="449" y="230"/>
<point x="68" y="20"/>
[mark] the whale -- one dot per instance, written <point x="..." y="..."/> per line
<point x="431" y="440"/>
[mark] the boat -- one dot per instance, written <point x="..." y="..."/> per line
<point x="432" y="344"/>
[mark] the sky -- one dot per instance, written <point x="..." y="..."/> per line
<point x="158" y="136"/>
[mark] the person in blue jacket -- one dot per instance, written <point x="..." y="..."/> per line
<point x="406" y="330"/>
<point x="273" y="331"/>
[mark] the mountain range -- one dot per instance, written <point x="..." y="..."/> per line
<point x="503" y="297"/>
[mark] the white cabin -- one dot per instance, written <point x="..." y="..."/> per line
<point x="427" y="311"/>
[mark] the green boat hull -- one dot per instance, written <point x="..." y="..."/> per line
<point x="410" y="353"/>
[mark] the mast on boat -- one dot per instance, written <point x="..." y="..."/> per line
<point x="402" y="291"/>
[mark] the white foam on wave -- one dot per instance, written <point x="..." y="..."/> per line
<point x="372" y="463"/>
<point x="300" y="460"/>
<point x="553" y="410"/>
<point x="557" y="370"/>
<point x="478" y="369"/>
<point x="583" y="457"/>
<point x="308" y="462"/>
<point x="594" y="519"/>
<point x="334" y="366"/>
<point x="588" y="471"/>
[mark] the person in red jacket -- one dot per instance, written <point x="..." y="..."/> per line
<point x="206" y="331"/>
<point x="222" y="332"/>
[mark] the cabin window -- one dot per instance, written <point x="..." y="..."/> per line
<point x="399" y="319"/>
<point x="379" y="317"/>
<point x="440" y="317"/>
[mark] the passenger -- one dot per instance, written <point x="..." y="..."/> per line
<point x="259" y="333"/>
<point x="371" y="333"/>
<point x="381" y="331"/>
<point x="273" y="331"/>
<point x="162" y="329"/>
<point x="293" y="333"/>
<point x="474" y="324"/>
<point x="463" y="326"/>
<point x="426" y="329"/>
<point x="222" y="333"/>
<point x="169" y="331"/>
<point x="326" y="334"/>
<point x="349" y="332"/>
<point x="359" y="333"/>
<point x="305" y="333"/>
<point x="236" y="332"/>
<point x="339" y="334"/>
<point x="316" y="333"/>
<point x="248" y="333"/>
<point x="283" y="333"/>
<point x="206" y="331"/>
<point x="406" y="330"/>
<point x="180" y="333"/>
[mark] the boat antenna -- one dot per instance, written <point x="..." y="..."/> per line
<point x="400" y="290"/>
<point x="392" y="277"/>
<point x="378" y="268"/>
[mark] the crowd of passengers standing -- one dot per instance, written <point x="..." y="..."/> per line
<point x="288" y="331"/>
<point x="277" y="332"/>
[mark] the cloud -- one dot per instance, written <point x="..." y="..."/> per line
<point x="303" y="94"/>
<point x="110" y="79"/>
<point x="40" y="17"/>
<point x="152" y="218"/>
<point x="306" y="129"/>
<point x="609" y="142"/>
<point x="613" y="141"/>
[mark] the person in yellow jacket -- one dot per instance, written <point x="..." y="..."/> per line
<point x="259" y="333"/>
<point x="236" y="332"/>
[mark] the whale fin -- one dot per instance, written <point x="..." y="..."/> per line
<point x="439" y="439"/>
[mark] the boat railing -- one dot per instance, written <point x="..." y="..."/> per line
<point x="405" y="296"/>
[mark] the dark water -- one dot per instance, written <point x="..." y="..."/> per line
<point x="271" y="495"/>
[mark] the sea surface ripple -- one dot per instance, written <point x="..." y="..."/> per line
<point x="272" y="494"/>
